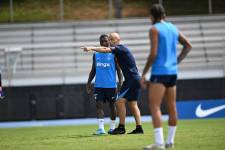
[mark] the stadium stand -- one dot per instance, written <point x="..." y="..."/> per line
<point x="51" y="52"/>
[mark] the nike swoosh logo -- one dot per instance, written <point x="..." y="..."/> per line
<point x="204" y="113"/>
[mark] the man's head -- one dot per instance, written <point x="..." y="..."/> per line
<point x="104" y="40"/>
<point x="114" y="38"/>
<point x="157" y="13"/>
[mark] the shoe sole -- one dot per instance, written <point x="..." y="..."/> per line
<point x="153" y="147"/>
<point x="135" y="133"/>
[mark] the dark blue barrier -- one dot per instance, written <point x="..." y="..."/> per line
<point x="201" y="109"/>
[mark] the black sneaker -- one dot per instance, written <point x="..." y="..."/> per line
<point x="137" y="131"/>
<point x="118" y="130"/>
<point x="171" y="145"/>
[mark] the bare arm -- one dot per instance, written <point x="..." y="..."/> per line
<point x="186" y="47"/>
<point x="153" y="36"/>
<point x="91" y="76"/>
<point x="119" y="74"/>
<point x="97" y="49"/>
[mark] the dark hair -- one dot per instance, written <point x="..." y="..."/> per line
<point x="103" y="36"/>
<point x="158" y="12"/>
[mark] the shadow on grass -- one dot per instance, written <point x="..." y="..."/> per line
<point x="80" y="136"/>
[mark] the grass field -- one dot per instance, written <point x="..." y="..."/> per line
<point x="191" y="135"/>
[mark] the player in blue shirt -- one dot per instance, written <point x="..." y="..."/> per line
<point x="164" y="37"/>
<point x="131" y="87"/>
<point x="104" y="68"/>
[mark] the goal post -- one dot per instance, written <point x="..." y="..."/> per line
<point x="12" y="55"/>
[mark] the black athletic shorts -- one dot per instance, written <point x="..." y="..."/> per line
<point x="130" y="90"/>
<point x="166" y="80"/>
<point x="105" y="94"/>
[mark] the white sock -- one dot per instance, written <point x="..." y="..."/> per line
<point x="158" y="132"/>
<point x="112" y="124"/>
<point x="171" y="134"/>
<point x="101" y="124"/>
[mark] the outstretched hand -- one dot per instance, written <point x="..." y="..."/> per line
<point x="86" y="49"/>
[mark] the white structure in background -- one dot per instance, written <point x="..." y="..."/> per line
<point x="52" y="55"/>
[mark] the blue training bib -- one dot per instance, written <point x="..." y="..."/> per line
<point x="105" y="70"/>
<point x="166" y="59"/>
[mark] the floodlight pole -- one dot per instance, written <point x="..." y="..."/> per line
<point x="110" y="9"/>
<point x="61" y="3"/>
<point x="118" y="8"/>
<point x="210" y="6"/>
<point x="11" y="11"/>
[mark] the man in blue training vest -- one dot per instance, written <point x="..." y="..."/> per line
<point x="131" y="87"/>
<point x="104" y="69"/>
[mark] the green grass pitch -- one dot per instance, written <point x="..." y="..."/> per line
<point x="206" y="134"/>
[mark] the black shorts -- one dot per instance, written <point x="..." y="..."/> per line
<point x="105" y="94"/>
<point x="130" y="90"/>
<point x="166" y="80"/>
